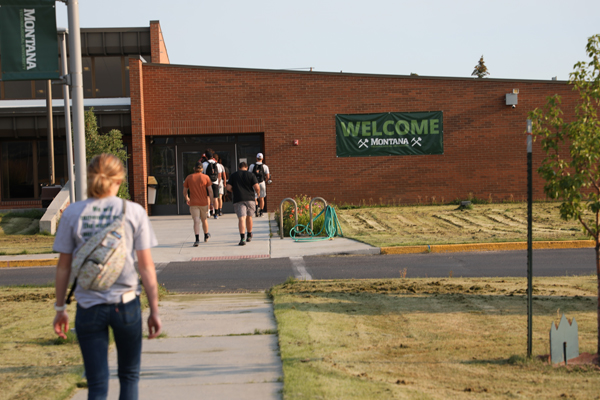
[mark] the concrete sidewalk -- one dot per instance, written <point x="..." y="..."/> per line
<point x="218" y="346"/>
<point x="175" y="237"/>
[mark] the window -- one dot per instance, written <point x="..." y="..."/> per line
<point x="17" y="170"/>
<point x="102" y="77"/>
<point x="25" y="167"/>
<point x="17" y="90"/>
<point x="88" y="85"/>
<point x="108" y="77"/>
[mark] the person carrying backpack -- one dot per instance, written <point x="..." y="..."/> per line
<point x="214" y="172"/>
<point x="82" y="225"/>
<point x="263" y="176"/>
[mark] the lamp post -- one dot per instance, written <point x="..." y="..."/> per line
<point x="77" y="93"/>
<point x="65" y="72"/>
<point x="529" y="242"/>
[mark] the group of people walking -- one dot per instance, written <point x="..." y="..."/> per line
<point x="206" y="186"/>
<point x="98" y="240"/>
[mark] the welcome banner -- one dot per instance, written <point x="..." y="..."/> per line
<point x="28" y="41"/>
<point x="389" y="134"/>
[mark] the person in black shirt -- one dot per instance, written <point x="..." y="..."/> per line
<point x="244" y="186"/>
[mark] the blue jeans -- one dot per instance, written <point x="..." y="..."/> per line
<point x="91" y="325"/>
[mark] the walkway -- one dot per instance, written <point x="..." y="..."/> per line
<point x="218" y="346"/>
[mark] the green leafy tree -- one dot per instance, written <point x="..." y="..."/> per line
<point x="571" y="167"/>
<point x="98" y="143"/>
<point x="480" y="70"/>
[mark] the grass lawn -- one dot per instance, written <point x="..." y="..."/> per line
<point x="451" y="338"/>
<point x="19" y="234"/>
<point x="34" y="362"/>
<point x="433" y="224"/>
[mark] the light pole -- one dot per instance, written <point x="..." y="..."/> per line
<point x="65" y="72"/>
<point x="77" y="93"/>
<point x="529" y="242"/>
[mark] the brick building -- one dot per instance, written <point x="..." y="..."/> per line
<point x="170" y="114"/>
<point x="242" y="111"/>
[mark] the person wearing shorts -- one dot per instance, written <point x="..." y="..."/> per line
<point x="263" y="175"/>
<point x="215" y="184"/>
<point x="244" y="186"/>
<point x="198" y="185"/>
<point x="222" y="181"/>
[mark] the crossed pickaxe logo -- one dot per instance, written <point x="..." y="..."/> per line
<point x="363" y="142"/>
<point x="416" y="141"/>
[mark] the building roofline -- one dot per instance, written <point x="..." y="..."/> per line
<point x="129" y="29"/>
<point x="362" y="74"/>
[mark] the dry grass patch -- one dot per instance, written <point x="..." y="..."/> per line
<point x="33" y="363"/>
<point x="19" y="234"/>
<point x="414" y="225"/>
<point x="430" y="338"/>
<point x="25" y="244"/>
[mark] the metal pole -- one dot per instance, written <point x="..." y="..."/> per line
<point x="529" y="242"/>
<point x="65" y="72"/>
<point x="50" y="130"/>
<point x="77" y="93"/>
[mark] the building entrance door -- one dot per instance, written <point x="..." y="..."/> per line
<point x="189" y="155"/>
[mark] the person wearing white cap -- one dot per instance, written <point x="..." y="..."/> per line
<point x="261" y="171"/>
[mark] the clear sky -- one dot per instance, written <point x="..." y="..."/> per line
<point x="519" y="39"/>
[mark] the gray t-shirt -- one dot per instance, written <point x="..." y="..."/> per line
<point x="81" y="220"/>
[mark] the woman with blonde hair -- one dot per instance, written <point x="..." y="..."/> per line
<point x="119" y="305"/>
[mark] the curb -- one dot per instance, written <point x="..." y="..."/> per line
<point x="43" y="262"/>
<point x="455" y="248"/>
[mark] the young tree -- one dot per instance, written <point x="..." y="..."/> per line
<point x="98" y="143"/>
<point x="571" y="168"/>
<point x="480" y="70"/>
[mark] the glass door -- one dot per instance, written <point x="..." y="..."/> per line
<point x="162" y="167"/>
<point x="189" y="155"/>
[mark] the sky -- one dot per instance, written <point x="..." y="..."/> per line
<point x="519" y="39"/>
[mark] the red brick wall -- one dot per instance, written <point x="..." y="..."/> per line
<point x="10" y="204"/>
<point x="138" y="140"/>
<point x="484" y="141"/>
<point x="157" y="44"/>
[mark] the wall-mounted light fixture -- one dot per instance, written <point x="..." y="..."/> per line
<point x="296" y="142"/>
<point x="512" y="98"/>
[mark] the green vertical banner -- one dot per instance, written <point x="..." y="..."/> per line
<point x="28" y="40"/>
<point x="389" y="134"/>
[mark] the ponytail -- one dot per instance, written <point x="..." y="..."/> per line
<point x="103" y="170"/>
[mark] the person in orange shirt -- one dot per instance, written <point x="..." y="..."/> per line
<point x="198" y="185"/>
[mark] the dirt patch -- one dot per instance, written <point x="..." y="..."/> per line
<point x="580" y="286"/>
<point x="369" y="223"/>
<point x="27" y="296"/>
